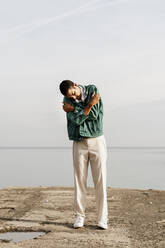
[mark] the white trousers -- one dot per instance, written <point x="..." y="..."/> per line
<point x="91" y="150"/>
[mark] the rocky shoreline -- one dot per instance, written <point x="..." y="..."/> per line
<point x="136" y="218"/>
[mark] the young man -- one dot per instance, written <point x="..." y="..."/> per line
<point x="84" y="111"/>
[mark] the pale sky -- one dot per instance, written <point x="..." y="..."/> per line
<point x="116" y="44"/>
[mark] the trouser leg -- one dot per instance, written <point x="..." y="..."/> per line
<point x="80" y="163"/>
<point x="98" y="158"/>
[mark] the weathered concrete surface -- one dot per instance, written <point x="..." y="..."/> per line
<point x="136" y="218"/>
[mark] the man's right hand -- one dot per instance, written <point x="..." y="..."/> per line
<point x="67" y="107"/>
<point x="94" y="99"/>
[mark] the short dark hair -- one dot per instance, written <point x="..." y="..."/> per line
<point x="65" y="85"/>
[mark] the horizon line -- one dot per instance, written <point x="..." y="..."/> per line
<point x="70" y="147"/>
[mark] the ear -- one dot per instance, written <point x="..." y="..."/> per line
<point x="75" y="84"/>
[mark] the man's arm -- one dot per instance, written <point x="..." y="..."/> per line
<point x="93" y="101"/>
<point x="79" y="114"/>
<point x="93" y="107"/>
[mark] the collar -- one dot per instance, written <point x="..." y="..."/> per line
<point x="83" y="93"/>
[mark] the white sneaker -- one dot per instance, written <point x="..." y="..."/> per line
<point x="103" y="225"/>
<point x="79" y="222"/>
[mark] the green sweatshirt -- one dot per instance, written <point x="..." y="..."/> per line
<point x="80" y="125"/>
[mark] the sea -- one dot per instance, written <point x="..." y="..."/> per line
<point x="127" y="167"/>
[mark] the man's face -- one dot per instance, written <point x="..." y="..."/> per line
<point x="74" y="93"/>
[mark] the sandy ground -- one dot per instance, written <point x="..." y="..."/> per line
<point x="136" y="218"/>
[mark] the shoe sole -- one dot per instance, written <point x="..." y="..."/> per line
<point x="103" y="228"/>
<point x="77" y="227"/>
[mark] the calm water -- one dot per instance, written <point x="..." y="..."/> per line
<point x="20" y="236"/>
<point x="126" y="168"/>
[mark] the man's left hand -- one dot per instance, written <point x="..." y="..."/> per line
<point x="67" y="107"/>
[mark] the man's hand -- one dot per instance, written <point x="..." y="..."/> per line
<point x="94" y="99"/>
<point x="67" y="107"/>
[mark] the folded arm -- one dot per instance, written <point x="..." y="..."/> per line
<point x="79" y="114"/>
